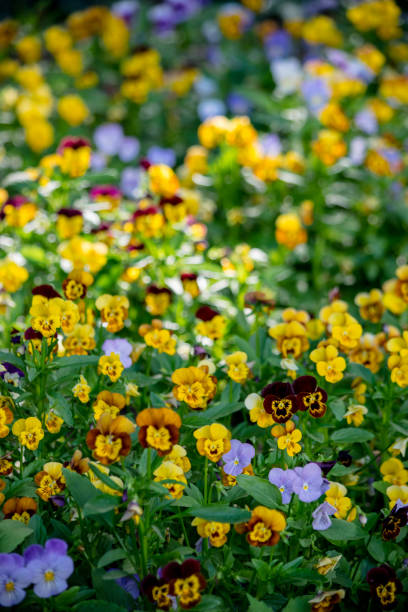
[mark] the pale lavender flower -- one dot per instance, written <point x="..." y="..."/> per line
<point x="358" y="150"/>
<point x="212" y="107"/>
<point x="108" y="138"/>
<point x="126" y="9"/>
<point x="98" y="161"/>
<point x="160" y="155"/>
<point x="316" y="94"/>
<point x="14" y="578"/>
<point x="238" y="458"/>
<point x="283" y="479"/>
<point x="49" y="567"/>
<point x="130" y="584"/>
<point x="366" y="121"/>
<point x="322" y="515"/>
<point x="130" y="181"/>
<point x="121" y="347"/>
<point x="309" y="483"/>
<point x="129" y="149"/>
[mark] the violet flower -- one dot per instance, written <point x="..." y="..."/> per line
<point x="108" y="138"/>
<point x="309" y="483"/>
<point x="322" y="515"/>
<point x="14" y="578"/>
<point x="49" y="567"/>
<point x="121" y="347"/>
<point x="130" y="584"/>
<point x="159" y="155"/>
<point x="238" y="458"/>
<point x="129" y="149"/>
<point x="284" y="480"/>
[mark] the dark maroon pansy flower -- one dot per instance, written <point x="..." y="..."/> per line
<point x="157" y="290"/>
<point x="157" y="591"/>
<point x="73" y="142"/>
<point x="392" y="524"/>
<point x="205" y="313"/>
<point x="69" y="212"/>
<point x="144" y="212"/>
<point x="172" y="201"/>
<point x="107" y="191"/>
<point x="384" y="586"/>
<point x="188" y="276"/>
<point x="102" y="227"/>
<point x="310" y="396"/>
<point x="345" y="458"/>
<point x="46" y="291"/>
<point x="145" y="164"/>
<point x="15" y="201"/>
<point x="280" y="401"/>
<point x="32" y="334"/>
<point x="325" y="466"/>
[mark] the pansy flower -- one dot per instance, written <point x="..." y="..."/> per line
<point x="157" y="590"/>
<point x="310" y="397"/>
<point x="159" y="429"/>
<point x="309" y="483"/>
<point x="14" y="578"/>
<point x="384" y="586"/>
<point x="392" y="524"/>
<point x="186" y="581"/>
<point x="264" y="526"/>
<point x="49" y="567"/>
<point x="110" y="439"/>
<point x="238" y="457"/>
<point x="280" y="401"/>
<point x="20" y="509"/>
<point x="284" y="480"/>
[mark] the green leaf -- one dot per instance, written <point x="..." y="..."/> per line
<point x="343" y="531"/>
<point x="22" y="488"/>
<point x="100" y="504"/>
<point x="98" y="605"/>
<point x="111" y="556"/>
<point x="357" y="370"/>
<point x="12" y="533"/>
<point x="210" y="602"/>
<point x="337" y="406"/>
<point x="257" y="606"/>
<point x="261" y="490"/>
<point x="75" y="361"/>
<point x="11" y="358"/>
<point x="220" y="513"/>
<point x="105" y="479"/>
<point x="298" y="604"/>
<point x="349" y="435"/>
<point x="214" y="413"/>
<point x="80" y="487"/>
<point x="376" y="548"/>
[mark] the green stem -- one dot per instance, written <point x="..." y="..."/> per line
<point x="206" y="480"/>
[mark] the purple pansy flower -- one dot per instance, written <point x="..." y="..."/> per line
<point x="160" y="155"/>
<point x="309" y="483"/>
<point x="130" y="181"/>
<point x="14" y="578"/>
<point x="121" y="347"/>
<point x="126" y="9"/>
<point x="129" y="149"/>
<point x="212" y="107"/>
<point x="358" y="150"/>
<point x="49" y="567"/>
<point x="283" y="479"/>
<point x="108" y="138"/>
<point x="366" y="121"/>
<point x="238" y="458"/>
<point x="130" y="584"/>
<point x="321" y="516"/>
<point x="98" y="161"/>
<point x="316" y="94"/>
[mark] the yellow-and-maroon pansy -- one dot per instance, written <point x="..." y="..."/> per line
<point x="19" y="509"/>
<point x="159" y="429"/>
<point x="106" y="401"/>
<point x="310" y="396"/>
<point x="110" y="439"/>
<point x="264" y="526"/>
<point x="280" y="401"/>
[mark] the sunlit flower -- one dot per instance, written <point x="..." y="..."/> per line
<point x="110" y="439"/>
<point x="213" y="441"/>
<point x="159" y="429"/>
